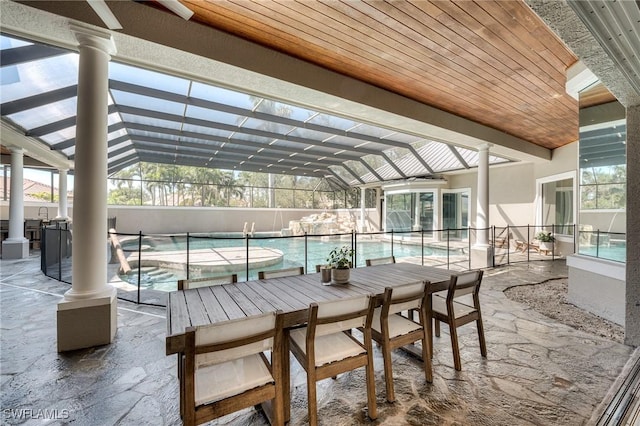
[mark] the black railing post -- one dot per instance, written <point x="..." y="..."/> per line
<point x="469" y="243"/>
<point x="598" y="243"/>
<point x="528" y="240"/>
<point x="353" y="246"/>
<point x="553" y="243"/>
<point x="576" y="238"/>
<point x="306" y="267"/>
<point x="247" y="244"/>
<point x="392" y="242"/>
<point x="492" y="229"/>
<point x="60" y="255"/>
<point x="139" y="262"/>
<point x="448" y="241"/>
<point x="422" y="245"/>
<point x="187" y="255"/>
<point x="43" y="254"/>
<point x="508" y="242"/>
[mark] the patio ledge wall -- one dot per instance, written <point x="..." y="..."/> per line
<point x="598" y="286"/>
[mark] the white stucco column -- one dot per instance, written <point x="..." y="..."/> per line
<point x="416" y="213"/>
<point x="482" y="212"/>
<point x="16" y="246"/>
<point x="363" y="225"/>
<point x="87" y="315"/>
<point x="481" y="251"/>
<point x="62" y="194"/>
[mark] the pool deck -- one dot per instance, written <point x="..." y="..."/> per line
<point x="537" y="371"/>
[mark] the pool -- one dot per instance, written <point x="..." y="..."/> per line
<point x="615" y="251"/>
<point x="296" y="251"/>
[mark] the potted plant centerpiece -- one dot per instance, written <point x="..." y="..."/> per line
<point x="546" y="240"/>
<point x="340" y="261"/>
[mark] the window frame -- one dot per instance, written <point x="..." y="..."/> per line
<point x="538" y="202"/>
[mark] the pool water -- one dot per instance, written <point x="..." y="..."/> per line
<point x="293" y="249"/>
<point x="616" y="252"/>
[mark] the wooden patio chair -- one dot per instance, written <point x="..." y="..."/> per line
<point x="226" y="370"/>
<point x="325" y="349"/>
<point x="392" y="330"/>
<point x="523" y="246"/>
<point x="207" y="281"/>
<point x="198" y="283"/>
<point x="381" y="261"/>
<point x="279" y="273"/>
<point x="456" y="313"/>
<point x="502" y="241"/>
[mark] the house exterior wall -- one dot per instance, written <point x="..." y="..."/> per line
<point x="512" y="188"/>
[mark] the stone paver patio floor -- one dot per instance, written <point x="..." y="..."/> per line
<point x="537" y="372"/>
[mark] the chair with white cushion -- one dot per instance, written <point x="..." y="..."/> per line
<point x="198" y="283"/>
<point x="456" y="313"/>
<point x="392" y="330"/>
<point x="207" y="281"/>
<point x="280" y="273"/>
<point x="226" y="370"/>
<point x="380" y="261"/>
<point x="324" y="347"/>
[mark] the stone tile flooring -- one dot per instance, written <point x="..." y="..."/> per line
<point x="537" y="372"/>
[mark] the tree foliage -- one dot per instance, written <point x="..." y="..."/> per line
<point x="170" y="185"/>
<point x="603" y="187"/>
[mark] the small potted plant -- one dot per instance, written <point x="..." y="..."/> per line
<point x="546" y="240"/>
<point x="340" y="261"/>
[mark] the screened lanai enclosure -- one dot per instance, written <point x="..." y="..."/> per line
<point x="176" y="140"/>
<point x="157" y="117"/>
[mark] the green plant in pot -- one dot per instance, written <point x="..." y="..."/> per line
<point x="546" y="240"/>
<point x="340" y="261"/>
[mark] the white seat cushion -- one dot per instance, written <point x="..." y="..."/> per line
<point x="220" y="381"/>
<point x="328" y="348"/>
<point x="398" y="325"/>
<point x="439" y="305"/>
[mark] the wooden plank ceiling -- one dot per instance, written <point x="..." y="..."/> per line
<point x="493" y="62"/>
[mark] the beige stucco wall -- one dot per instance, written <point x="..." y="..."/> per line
<point x="172" y="220"/>
<point x="563" y="159"/>
<point x="512" y="188"/>
<point x="166" y="220"/>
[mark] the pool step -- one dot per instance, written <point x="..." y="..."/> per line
<point x="157" y="274"/>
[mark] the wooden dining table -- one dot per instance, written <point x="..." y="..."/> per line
<point x="290" y="295"/>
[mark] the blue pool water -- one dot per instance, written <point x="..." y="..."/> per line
<point x="616" y="252"/>
<point x="293" y="249"/>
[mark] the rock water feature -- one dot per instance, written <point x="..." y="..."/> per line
<point x="322" y="223"/>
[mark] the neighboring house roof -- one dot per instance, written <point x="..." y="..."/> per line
<point x="31" y="190"/>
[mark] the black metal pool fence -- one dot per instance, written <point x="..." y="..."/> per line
<point x="446" y="248"/>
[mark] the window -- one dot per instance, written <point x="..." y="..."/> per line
<point x="557" y="203"/>
<point x="455" y="212"/>
<point x="603" y="170"/>
<point x="399" y="212"/>
<point x="410" y="211"/>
